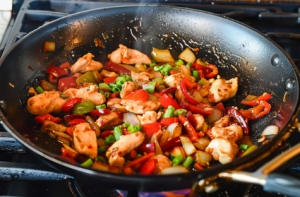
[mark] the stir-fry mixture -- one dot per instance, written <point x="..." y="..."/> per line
<point x="143" y="116"/>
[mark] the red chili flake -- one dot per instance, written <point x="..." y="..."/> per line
<point x="31" y="67"/>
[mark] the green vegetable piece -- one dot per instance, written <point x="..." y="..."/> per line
<point x="101" y="159"/>
<point x="172" y="157"/>
<point x="189" y="64"/>
<point x="103" y="106"/>
<point x="170" y="112"/>
<point x="83" y="108"/>
<point x="203" y="82"/>
<point x="196" y="74"/>
<point x="104" y="86"/>
<point x="244" y="147"/>
<point x="106" y="94"/>
<point x="181" y="111"/>
<point x="138" y="156"/>
<point x="153" y="61"/>
<point x="120" y="80"/>
<point x="163" y="115"/>
<point x="175" y="68"/>
<point x="117" y="132"/>
<point x="158" y="68"/>
<point x="177" y="160"/>
<point x="115" y="87"/>
<point x="102" y="149"/>
<point x="88" y="163"/>
<point x="127" y="77"/>
<point x="150" y="87"/>
<point x="39" y="90"/>
<point x="134" y="128"/>
<point x="87" y="77"/>
<point x="153" y="64"/>
<point x="159" y="80"/>
<point x="126" y="124"/>
<point x="187" y="162"/>
<point x="250" y="150"/>
<point x="109" y="140"/>
<point x="179" y="62"/>
<point x="166" y="69"/>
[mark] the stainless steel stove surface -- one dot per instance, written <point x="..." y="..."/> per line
<point x="279" y="21"/>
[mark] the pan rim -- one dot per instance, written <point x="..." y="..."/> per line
<point x="45" y="154"/>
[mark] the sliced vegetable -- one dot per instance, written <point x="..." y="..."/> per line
<point x="66" y="83"/>
<point x="138" y="95"/>
<point x="83" y="108"/>
<point x="188" y="161"/>
<point x="214" y="72"/>
<point x="168" y="145"/>
<point x="116" y="68"/>
<point x="187" y="145"/>
<point x="257" y="112"/>
<point x="100" y="159"/>
<point x="110" y="139"/>
<point x="159" y="80"/>
<point x="168" y="121"/>
<point x="149" y="167"/>
<point x="103" y="106"/>
<point x="134" y="128"/>
<point x="162" y="55"/>
<point x="175" y="130"/>
<point x="202" y="143"/>
<point x="179" y="62"/>
<point x="147" y="148"/>
<point x="136" y="164"/>
<point x="180" y="111"/>
<point x="49" y="46"/>
<point x="106" y="133"/>
<point x="56" y="71"/>
<point x="39" y="90"/>
<point x="88" y="163"/>
<point x="85" y="78"/>
<point x="221" y="106"/>
<point x="94" y="126"/>
<point x="41" y="118"/>
<point x="131" y="118"/>
<point x="150" y="129"/>
<point x="166" y="100"/>
<point x="238" y="116"/>
<point x="256" y="101"/>
<point x="102" y="149"/>
<point x="215" y="115"/>
<point x="250" y="150"/>
<point x="196" y="74"/>
<point x="70" y="104"/>
<point x="105" y="87"/>
<point x="187" y="55"/>
<point x="110" y="80"/>
<point x="150" y="87"/>
<point x="243" y="147"/>
<point x="174" y="170"/>
<point x="70" y="117"/>
<point x="203" y="158"/>
<point x="167" y="90"/>
<point x="118" y="133"/>
<point x="189" y="128"/>
<point x="177" y="160"/>
<point x="99" y="112"/>
<point x="170" y="112"/>
<point x="185" y="85"/>
<point x="270" y="130"/>
<point x="75" y="122"/>
<point x="178" y="151"/>
<point x="47" y="86"/>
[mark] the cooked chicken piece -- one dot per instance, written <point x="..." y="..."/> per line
<point x="123" y="146"/>
<point x="128" y="56"/>
<point x="127" y="88"/>
<point x="162" y="163"/>
<point x="223" y="122"/>
<point x="222" y="90"/>
<point x="233" y="132"/>
<point x="149" y="117"/>
<point x="87" y="93"/>
<point x="139" y="107"/>
<point x="115" y="105"/>
<point x="85" y="64"/>
<point x="85" y="140"/>
<point x="200" y="120"/>
<point x="47" y="102"/>
<point x="108" y="120"/>
<point x="179" y="95"/>
<point x="222" y="150"/>
<point x="174" y="80"/>
<point x="141" y="78"/>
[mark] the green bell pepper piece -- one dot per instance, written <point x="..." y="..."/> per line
<point x="188" y="161"/>
<point x="126" y="124"/>
<point x="109" y="140"/>
<point x="117" y="133"/>
<point x="103" y="106"/>
<point x="166" y="69"/>
<point x="196" y="74"/>
<point x="244" y="147"/>
<point x="39" y="90"/>
<point x="102" y="149"/>
<point x="170" y="112"/>
<point x="85" y="78"/>
<point x="101" y="159"/>
<point x="177" y="160"/>
<point x="83" y="108"/>
<point x="88" y="163"/>
<point x="159" y="80"/>
<point x="150" y="87"/>
<point x="105" y="86"/>
<point x="181" y="111"/>
<point x="179" y="62"/>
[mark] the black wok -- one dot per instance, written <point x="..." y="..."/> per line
<point x="240" y="51"/>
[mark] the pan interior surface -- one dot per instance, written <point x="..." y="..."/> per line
<point x="235" y="49"/>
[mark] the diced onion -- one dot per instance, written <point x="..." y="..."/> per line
<point x="171" y="128"/>
<point x="202" y="143"/>
<point x="158" y="150"/>
<point x="131" y="118"/>
<point x="162" y="55"/>
<point x="215" y="115"/>
<point x="174" y="170"/>
<point x="187" y="55"/>
<point x="164" y="137"/>
<point x="64" y="135"/>
<point x="49" y="46"/>
<point x="270" y="130"/>
<point x="203" y="158"/>
<point x="177" y="131"/>
<point x="187" y="145"/>
<point x="185" y="70"/>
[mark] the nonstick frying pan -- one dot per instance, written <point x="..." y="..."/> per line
<point x="238" y="51"/>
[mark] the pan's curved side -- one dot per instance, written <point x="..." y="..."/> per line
<point x="234" y="48"/>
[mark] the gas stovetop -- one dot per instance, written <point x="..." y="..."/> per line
<point x="279" y="21"/>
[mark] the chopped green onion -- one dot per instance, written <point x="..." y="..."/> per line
<point x="138" y="156"/>
<point x="189" y="64"/>
<point x="127" y="77"/>
<point x="179" y="62"/>
<point x="115" y="87"/>
<point x="181" y="111"/>
<point x="109" y="140"/>
<point x="163" y="115"/>
<point x="196" y="74"/>
<point x="88" y="163"/>
<point x="175" y="68"/>
<point x="134" y="128"/>
<point x="150" y="87"/>
<point x="187" y="162"/>
<point x="117" y="133"/>
<point x="153" y="64"/>
<point x="159" y="80"/>
<point x="120" y="80"/>
<point x="102" y="149"/>
<point x="103" y="106"/>
<point x="244" y="147"/>
<point x="104" y="86"/>
<point x="126" y="124"/>
<point x="166" y="69"/>
<point x="158" y="68"/>
<point x="106" y="94"/>
<point x="39" y="90"/>
<point x="170" y="112"/>
<point x="172" y="157"/>
<point x="177" y="160"/>
<point x="101" y="159"/>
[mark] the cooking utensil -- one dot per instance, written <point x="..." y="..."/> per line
<point x="236" y="49"/>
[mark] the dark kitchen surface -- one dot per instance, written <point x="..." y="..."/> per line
<point x="271" y="19"/>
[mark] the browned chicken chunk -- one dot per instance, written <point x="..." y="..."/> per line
<point x="222" y="90"/>
<point x="233" y="132"/>
<point x="109" y="120"/>
<point x="85" y="64"/>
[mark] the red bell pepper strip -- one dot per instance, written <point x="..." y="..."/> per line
<point x="116" y="68"/>
<point x="76" y="75"/>
<point x="197" y="166"/>
<point x="66" y="83"/>
<point x="68" y="153"/>
<point x="151" y="128"/>
<point x="165" y="100"/>
<point x="167" y="121"/>
<point x="191" y="119"/>
<point x="125" y="132"/>
<point x="194" y="109"/>
<point x="136" y="164"/>
<point x="109" y="79"/>
<point x="149" y="167"/>
<point x="205" y="69"/>
<point x="238" y="116"/>
<point x="256" y="101"/>
<point x="65" y="65"/>
<point x="184" y="84"/>
<point x="107" y="133"/>
<point x="76" y="121"/>
<point x="172" y="72"/>
<point x="99" y="112"/>
<point x="41" y="118"/>
<point x="208" y="132"/>
<point x="257" y="112"/>
<point x="138" y="95"/>
<point x="70" y="104"/>
<point x="104" y="90"/>
<point x="53" y="79"/>
<point x="189" y="128"/>
<point x="221" y="106"/>
<point x="70" y="117"/>
<point x="56" y="71"/>
<point x="68" y="159"/>
<point x="201" y="75"/>
<point x="166" y="91"/>
<point x="168" y="145"/>
<point x="116" y="95"/>
<point x="147" y="148"/>
<point x="214" y="72"/>
<point x="70" y="131"/>
<point x="132" y="154"/>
